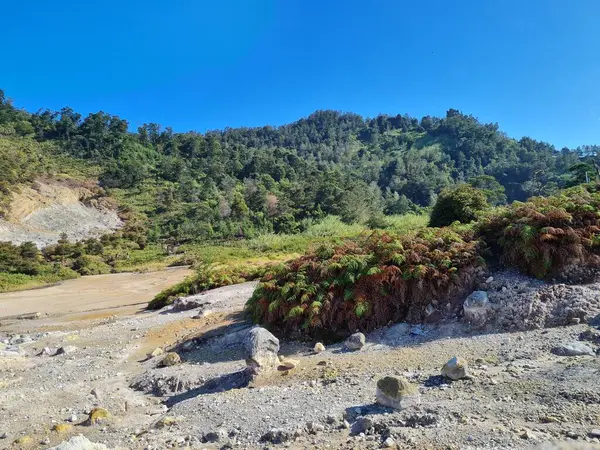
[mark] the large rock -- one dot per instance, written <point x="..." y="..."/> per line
<point x="355" y="342"/>
<point x="477" y="309"/>
<point x="397" y="392"/>
<point x="79" y="443"/>
<point x="573" y="349"/>
<point x="191" y="302"/>
<point x="261" y="350"/>
<point x="456" y="369"/>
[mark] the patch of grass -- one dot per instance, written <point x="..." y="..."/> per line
<point x="248" y="259"/>
<point x="10" y="282"/>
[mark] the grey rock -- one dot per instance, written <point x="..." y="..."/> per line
<point x="397" y="393"/>
<point x="261" y="350"/>
<point x="389" y="443"/>
<point x="417" y="330"/>
<point x="595" y="433"/>
<point x="215" y="436"/>
<point x="362" y="425"/>
<point x="314" y="427"/>
<point x="455" y="369"/>
<point x="47" y="351"/>
<point x="477" y="309"/>
<point x="66" y="350"/>
<point x="277" y="436"/>
<point x="355" y="341"/>
<point x="396" y="332"/>
<point x="191" y="302"/>
<point x="79" y="443"/>
<point x="170" y="359"/>
<point x="573" y="349"/>
<point x="3" y="435"/>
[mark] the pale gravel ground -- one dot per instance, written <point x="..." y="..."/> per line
<point x="517" y="384"/>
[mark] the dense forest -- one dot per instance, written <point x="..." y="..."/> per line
<point x="240" y="182"/>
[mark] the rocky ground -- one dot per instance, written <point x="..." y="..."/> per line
<point x="41" y="213"/>
<point x="533" y="378"/>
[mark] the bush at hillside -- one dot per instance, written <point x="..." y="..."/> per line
<point x="368" y="282"/>
<point x="546" y="235"/>
<point x="463" y="203"/>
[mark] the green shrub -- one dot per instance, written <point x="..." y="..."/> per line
<point x="463" y="203"/>
<point x="367" y="282"/>
<point x="545" y="235"/>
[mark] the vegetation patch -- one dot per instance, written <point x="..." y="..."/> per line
<point x="546" y="235"/>
<point x="367" y="282"/>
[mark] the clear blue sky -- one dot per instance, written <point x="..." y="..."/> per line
<point x="533" y="66"/>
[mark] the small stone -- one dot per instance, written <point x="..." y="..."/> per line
<point x="47" y="351"/>
<point x="97" y="415"/>
<point x="389" y="443"/>
<point x="345" y="424"/>
<point x="363" y="424"/>
<point x="166" y="421"/>
<point x="573" y="349"/>
<point x="575" y="320"/>
<point x="276" y="436"/>
<point x="314" y="427"/>
<point x="397" y="392"/>
<point x="215" y="436"/>
<point x="24" y="441"/>
<point x="455" y="369"/>
<point x="319" y="347"/>
<point x="96" y="394"/>
<point x="355" y="342"/>
<point x="170" y="359"/>
<point x="331" y="420"/>
<point x="73" y="418"/>
<point x="62" y="428"/>
<point x="288" y="364"/>
<point x="156" y="352"/>
<point x="66" y="350"/>
<point x="3" y="435"/>
<point x="489" y="280"/>
<point x="595" y="433"/>
<point x="45" y="441"/>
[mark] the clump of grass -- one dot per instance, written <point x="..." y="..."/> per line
<point x="366" y="282"/>
<point x="10" y="282"/>
<point x="208" y="276"/>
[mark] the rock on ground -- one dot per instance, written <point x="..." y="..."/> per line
<point x="355" y="342"/>
<point x="261" y="350"/>
<point x="397" y="393"/>
<point x="573" y="349"/>
<point x="79" y="443"/>
<point x="477" y="309"/>
<point x="455" y="369"/>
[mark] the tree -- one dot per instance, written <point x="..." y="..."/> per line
<point x="493" y="190"/>
<point x="462" y="203"/>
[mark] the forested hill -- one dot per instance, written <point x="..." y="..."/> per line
<point x="239" y="182"/>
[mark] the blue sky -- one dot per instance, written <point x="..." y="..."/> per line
<point x="532" y="66"/>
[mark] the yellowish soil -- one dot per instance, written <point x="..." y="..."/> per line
<point x="89" y="298"/>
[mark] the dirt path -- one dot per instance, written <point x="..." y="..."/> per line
<point x="91" y="297"/>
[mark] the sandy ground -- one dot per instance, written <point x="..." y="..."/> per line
<point x="87" y="298"/>
<point x="520" y="395"/>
